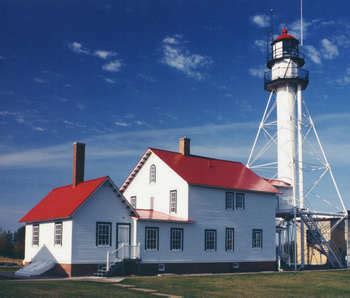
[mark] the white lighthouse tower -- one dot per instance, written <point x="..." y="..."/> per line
<point x="290" y="127"/>
<point x="287" y="79"/>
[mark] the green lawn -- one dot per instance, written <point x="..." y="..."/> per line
<point x="300" y="284"/>
<point x="36" y="289"/>
<point x="9" y="268"/>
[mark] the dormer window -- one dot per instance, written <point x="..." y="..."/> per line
<point x="152" y="174"/>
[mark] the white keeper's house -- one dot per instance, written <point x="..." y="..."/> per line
<point x="175" y="212"/>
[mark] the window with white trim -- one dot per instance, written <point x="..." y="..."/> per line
<point x="173" y="201"/>
<point x="35" y="234"/>
<point x="151" y="238"/>
<point x="210" y="240"/>
<point x="257" y="238"/>
<point x="240" y="201"/>
<point x="133" y="201"/>
<point x="176" y="238"/>
<point x="229" y="239"/>
<point x="229" y="202"/>
<point x="103" y="234"/>
<point x="152" y="174"/>
<point x="58" y="232"/>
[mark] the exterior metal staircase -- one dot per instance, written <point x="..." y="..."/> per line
<point x="317" y="240"/>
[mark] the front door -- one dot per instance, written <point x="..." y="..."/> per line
<point x="123" y="234"/>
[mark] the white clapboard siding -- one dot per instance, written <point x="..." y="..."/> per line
<point x="167" y="180"/>
<point x="47" y="248"/>
<point x="102" y="206"/>
<point x="207" y="210"/>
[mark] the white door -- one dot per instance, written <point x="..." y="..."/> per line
<point x="123" y="237"/>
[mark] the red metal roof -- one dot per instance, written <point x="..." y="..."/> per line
<point x="199" y="170"/>
<point x="284" y="35"/>
<point x="63" y="201"/>
<point x="149" y="214"/>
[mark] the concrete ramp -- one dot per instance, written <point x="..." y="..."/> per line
<point x="35" y="268"/>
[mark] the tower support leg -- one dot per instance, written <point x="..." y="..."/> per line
<point x="300" y="172"/>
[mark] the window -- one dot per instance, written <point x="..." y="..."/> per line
<point x="58" y="233"/>
<point x="133" y="201"/>
<point x="210" y="240"/>
<point x="176" y="239"/>
<point x="257" y="238"/>
<point x="229" y="238"/>
<point x="229" y="200"/>
<point x="240" y="201"/>
<point x="103" y="234"/>
<point x="151" y="238"/>
<point x="152" y="174"/>
<point x="35" y="236"/>
<point x="173" y="201"/>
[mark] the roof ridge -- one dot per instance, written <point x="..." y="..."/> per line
<point x="198" y="156"/>
<point x="86" y="181"/>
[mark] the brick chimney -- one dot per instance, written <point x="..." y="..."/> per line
<point x="185" y="146"/>
<point x="78" y="163"/>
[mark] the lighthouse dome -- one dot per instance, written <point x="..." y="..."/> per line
<point x="284" y="35"/>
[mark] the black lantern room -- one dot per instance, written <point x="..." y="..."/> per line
<point x="285" y="46"/>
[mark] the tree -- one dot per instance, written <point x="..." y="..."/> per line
<point x="12" y="244"/>
<point x="19" y="240"/>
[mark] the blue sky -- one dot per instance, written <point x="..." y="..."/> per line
<point x="125" y="75"/>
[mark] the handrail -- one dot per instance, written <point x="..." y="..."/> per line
<point x="124" y="251"/>
<point x="286" y="73"/>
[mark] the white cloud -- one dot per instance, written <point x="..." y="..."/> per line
<point x="177" y="56"/>
<point x="329" y="49"/>
<point x="147" y="78"/>
<point x="133" y="143"/>
<point x="172" y="40"/>
<point x="20" y="119"/>
<point x="121" y="123"/>
<point x="207" y="140"/>
<point x="313" y="54"/>
<point x="103" y="54"/>
<point x="345" y="79"/>
<point x="343" y="40"/>
<point x="139" y="122"/>
<point x="40" y="129"/>
<point x="109" y="80"/>
<point x="294" y="28"/>
<point x="78" y="48"/>
<point x="39" y="80"/>
<point x="70" y="124"/>
<point x="113" y="66"/>
<point x="260" y="44"/>
<point x="8" y="113"/>
<point x="261" y="20"/>
<point x="257" y="72"/>
<point x="80" y="106"/>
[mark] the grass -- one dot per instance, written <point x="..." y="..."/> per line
<point x="300" y="284"/>
<point x="56" y="289"/>
<point x="9" y="268"/>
